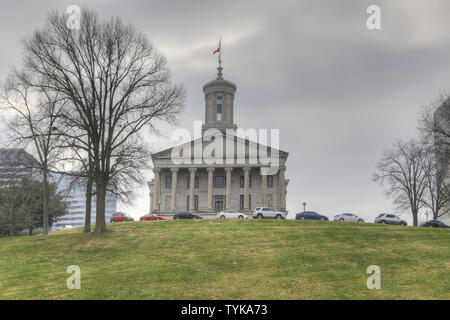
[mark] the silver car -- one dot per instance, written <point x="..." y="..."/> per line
<point x="268" y="213"/>
<point x="386" y="218"/>
<point x="348" y="217"/>
<point x="231" y="214"/>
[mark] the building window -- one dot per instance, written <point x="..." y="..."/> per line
<point x="218" y="202"/>
<point x="249" y="201"/>
<point x="219" y="182"/>
<point x="242" y="181"/>
<point x="269" y="181"/>
<point x="219" y="112"/>
<point x="168" y="182"/>
<point x="241" y="202"/>
<point x="187" y="202"/>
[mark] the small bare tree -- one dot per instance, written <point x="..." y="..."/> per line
<point x="34" y="114"/>
<point x="117" y="84"/>
<point x="402" y="170"/>
<point x="434" y="125"/>
<point x="437" y="192"/>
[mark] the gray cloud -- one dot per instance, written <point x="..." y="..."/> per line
<point x="338" y="92"/>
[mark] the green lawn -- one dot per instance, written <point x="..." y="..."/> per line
<point x="209" y="259"/>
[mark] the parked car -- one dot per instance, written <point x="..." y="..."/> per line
<point x="186" y="215"/>
<point x="63" y="227"/>
<point x="310" y="215"/>
<point x="348" y="217"/>
<point x="268" y="213"/>
<point x="231" y="214"/>
<point x="120" y="217"/>
<point x="150" y="216"/>
<point x="387" y="218"/>
<point x="435" y="224"/>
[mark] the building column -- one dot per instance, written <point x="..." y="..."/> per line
<point x="150" y="187"/>
<point x="210" y="187"/>
<point x="246" y="185"/>
<point x="282" y="187"/>
<point x="228" y="187"/>
<point x="173" y="197"/>
<point x="191" y="188"/>
<point x="263" y="189"/>
<point x="156" y="187"/>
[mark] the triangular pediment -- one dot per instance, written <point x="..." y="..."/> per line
<point x="205" y="149"/>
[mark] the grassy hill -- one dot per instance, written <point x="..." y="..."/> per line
<point x="212" y="259"/>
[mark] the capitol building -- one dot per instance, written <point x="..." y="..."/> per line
<point x="219" y="170"/>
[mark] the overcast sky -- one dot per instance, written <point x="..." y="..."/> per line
<point x="338" y="92"/>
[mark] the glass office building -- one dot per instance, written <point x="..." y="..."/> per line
<point x="75" y="196"/>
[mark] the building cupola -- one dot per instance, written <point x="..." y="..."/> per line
<point x="219" y="102"/>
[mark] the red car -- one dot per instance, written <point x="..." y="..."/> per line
<point x="150" y="217"/>
<point x="120" y="217"/>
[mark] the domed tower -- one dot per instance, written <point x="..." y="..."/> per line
<point x="219" y="102"/>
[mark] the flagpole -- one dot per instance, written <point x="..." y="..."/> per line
<point x="219" y="74"/>
<point x="220" y="52"/>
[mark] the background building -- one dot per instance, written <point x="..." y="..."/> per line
<point x="16" y="164"/>
<point x="75" y="196"/>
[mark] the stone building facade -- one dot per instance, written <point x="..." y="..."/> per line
<point x="237" y="174"/>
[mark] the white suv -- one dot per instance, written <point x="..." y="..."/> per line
<point x="268" y="213"/>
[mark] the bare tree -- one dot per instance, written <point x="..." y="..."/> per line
<point x="117" y="84"/>
<point x="434" y="125"/>
<point x="34" y="120"/>
<point x="402" y="170"/>
<point x="437" y="192"/>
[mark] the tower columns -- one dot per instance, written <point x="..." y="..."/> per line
<point x="246" y="185"/>
<point x="210" y="187"/>
<point x="228" y="188"/>
<point x="173" y="197"/>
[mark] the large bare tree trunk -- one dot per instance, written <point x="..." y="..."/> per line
<point x="100" y="187"/>
<point x="415" y="218"/>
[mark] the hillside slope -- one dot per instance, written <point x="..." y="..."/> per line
<point x="212" y="259"/>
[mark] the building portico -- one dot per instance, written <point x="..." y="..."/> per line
<point x="210" y="189"/>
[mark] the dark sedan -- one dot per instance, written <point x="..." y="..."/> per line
<point x="186" y="215"/>
<point x="310" y="215"/>
<point x="435" y="224"/>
